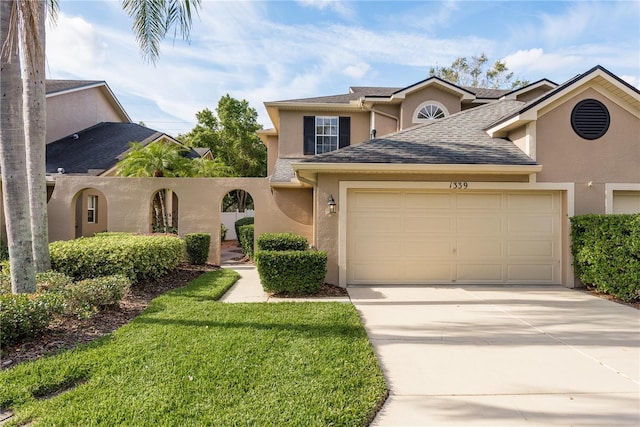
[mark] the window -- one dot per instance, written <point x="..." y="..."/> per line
<point x="92" y="209"/>
<point x="323" y="134"/>
<point x="430" y="110"/>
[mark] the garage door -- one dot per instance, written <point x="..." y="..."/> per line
<point x="626" y="202"/>
<point x="420" y="237"/>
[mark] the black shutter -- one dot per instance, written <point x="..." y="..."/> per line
<point x="345" y="132"/>
<point x="309" y="135"/>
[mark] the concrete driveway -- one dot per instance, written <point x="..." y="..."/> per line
<point x="503" y="356"/>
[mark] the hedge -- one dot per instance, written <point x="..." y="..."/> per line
<point x="296" y="272"/>
<point x="88" y="296"/>
<point x="239" y="223"/>
<point x="282" y="242"/>
<point x="137" y="257"/>
<point x="25" y="316"/>
<point x="246" y="238"/>
<point x="606" y="253"/>
<point x="197" y="247"/>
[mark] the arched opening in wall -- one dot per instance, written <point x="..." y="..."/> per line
<point x="237" y="210"/>
<point x="90" y="213"/>
<point x="164" y="211"/>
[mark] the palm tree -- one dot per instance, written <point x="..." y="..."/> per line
<point x="22" y="36"/>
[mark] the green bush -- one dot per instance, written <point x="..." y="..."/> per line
<point x="223" y="232"/>
<point x="246" y="239"/>
<point x="239" y="223"/>
<point x="25" y="316"/>
<point x="296" y="272"/>
<point x="197" y="247"/>
<point x="606" y="253"/>
<point x="88" y="296"/>
<point x="4" y="250"/>
<point x="136" y="256"/>
<point x="281" y="242"/>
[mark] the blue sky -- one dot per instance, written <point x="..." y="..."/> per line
<point x="276" y="50"/>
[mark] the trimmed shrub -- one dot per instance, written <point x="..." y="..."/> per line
<point x="25" y="316"/>
<point x="239" y="223"/>
<point x="137" y="257"/>
<point x="223" y="232"/>
<point x="197" y="247"/>
<point x="296" y="272"/>
<point x="246" y="239"/>
<point x="87" y="297"/>
<point x="282" y="242"/>
<point x="606" y="252"/>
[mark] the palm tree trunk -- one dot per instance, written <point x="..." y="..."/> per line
<point x="12" y="155"/>
<point x="32" y="43"/>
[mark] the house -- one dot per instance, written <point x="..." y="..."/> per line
<point x="435" y="183"/>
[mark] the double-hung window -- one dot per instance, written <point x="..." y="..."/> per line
<point x="92" y="209"/>
<point x="323" y="134"/>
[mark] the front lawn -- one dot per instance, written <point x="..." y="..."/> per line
<point x="189" y="360"/>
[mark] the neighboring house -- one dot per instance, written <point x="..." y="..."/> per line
<point x="440" y="184"/>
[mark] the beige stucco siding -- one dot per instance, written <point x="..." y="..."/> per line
<point x="272" y="153"/>
<point x="566" y="157"/>
<point x="532" y="94"/>
<point x="74" y="111"/>
<point x="296" y="203"/>
<point x="386" y="119"/>
<point x="290" y="142"/>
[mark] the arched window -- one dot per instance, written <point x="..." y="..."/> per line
<point x="430" y="110"/>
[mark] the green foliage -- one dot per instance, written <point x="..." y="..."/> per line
<point x="295" y="272"/>
<point x="158" y="159"/>
<point x="4" y="251"/>
<point x="223" y="232"/>
<point x="134" y="256"/>
<point x="197" y="247"/>
<point x="606" y="252"/>
<point x="88" y="296"/>
<point x="242" y="221"/>
<point x="473" y="72"/>
<point x="26" y="316"/>
<point x="246" y="239"/>
<point x="282" y="242"/>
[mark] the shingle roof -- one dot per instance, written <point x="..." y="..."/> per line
<point x="53" y="86"/>
<point x="96" y="149"/>
<point x="283" y="172"/>
<point x="457" y="139"/>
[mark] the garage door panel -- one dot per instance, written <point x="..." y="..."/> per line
<point x="479" y="272"/>
<point x="531" y="224"/>
<point x="479" y="247"/>
<point x="528" y="273"/>
<point x="531" y="202"/>
<point x="479" y="224"/>
<point x="626" y="202"/>
<point x="428" y="248"/>
<point x="430" y="237"/>
<point x="530" y="248"/>
<point x="433" y="201"/>
<point x="479" y="201"/>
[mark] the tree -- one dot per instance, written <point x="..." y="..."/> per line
<point x="22" y="142"/>
<point x="231" y="136"/>
<point x="473" y="72"/>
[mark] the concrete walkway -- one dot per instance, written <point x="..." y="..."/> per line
<point x="503" y="356"/>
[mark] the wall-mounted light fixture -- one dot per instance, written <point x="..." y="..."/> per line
<point x="332" y="205"/>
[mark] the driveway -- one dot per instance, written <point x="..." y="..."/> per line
<point x="503" y="356"/>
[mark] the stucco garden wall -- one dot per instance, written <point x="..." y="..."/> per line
<point x="129" y="201"/>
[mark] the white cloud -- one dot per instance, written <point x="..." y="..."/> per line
<point x="632" y="80"/>
<point x="340" y="7"/>
<point x="536" y="60"/>
<point x="356" y="71"/>
<point x="75" y="44"/>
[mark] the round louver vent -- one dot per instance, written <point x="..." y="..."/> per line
<point x="590" y="119"/>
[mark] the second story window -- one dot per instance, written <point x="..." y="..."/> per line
<point x="323" y="134"/>
<point x="428" y="111"/>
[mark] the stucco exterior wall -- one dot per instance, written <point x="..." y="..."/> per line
<point x="382" y="123"/>
<point x="272" y="154"/>
<point x="429" y="93"/>
<point x="532" y="94"/>
<point x="519" y="138"/>
<point x="296" y="203"/>
<point x="566" y="157"/>
<point x="82" y="226"/>
<point x="290" y="141"/>
<point x="74" y="111"/>
<point x="200" y="199"/>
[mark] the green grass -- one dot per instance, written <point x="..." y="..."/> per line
<point x="189" y="360"/>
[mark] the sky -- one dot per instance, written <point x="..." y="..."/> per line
<point x="263" y="51"/>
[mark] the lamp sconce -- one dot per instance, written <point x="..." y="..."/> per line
<point x="332" y="205"/>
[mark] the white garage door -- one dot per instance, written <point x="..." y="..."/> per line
<point x="430" y="237"/>
<point x="626" y="202"/>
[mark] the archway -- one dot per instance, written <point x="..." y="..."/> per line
<point x="164" y="211"/>
<point x="90" y="212"/>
